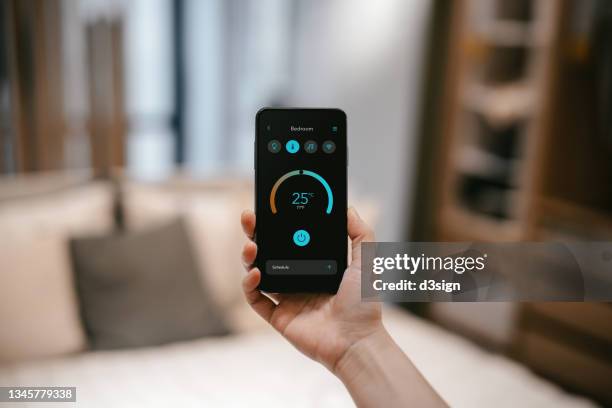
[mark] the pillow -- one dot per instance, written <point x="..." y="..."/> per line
<point x="38" y="306"/>
<point x="142" y="289"/>
<point x="25" y="185"/>
<point x="83" y="210"/>
<point x="212" y="216"/>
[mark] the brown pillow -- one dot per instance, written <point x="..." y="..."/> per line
<point x="142" y="289"/>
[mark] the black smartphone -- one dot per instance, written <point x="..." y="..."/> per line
<point x="301" y="160"/>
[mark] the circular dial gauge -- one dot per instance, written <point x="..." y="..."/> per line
<point x="302" y="198"/>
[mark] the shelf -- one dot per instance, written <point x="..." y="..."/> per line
<point x="480" y="163"/>
<point x="462" y="225"/>
<point x="506" y="33"/>
<point x="501" y="105"/>
<point x="565" y="220"/>
<point x="518" y="10"/>
<point x="594" y="319"/>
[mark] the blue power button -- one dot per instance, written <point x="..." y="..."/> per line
<point x="301" y="238"/>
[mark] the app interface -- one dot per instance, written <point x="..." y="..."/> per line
<point x="301" y="192"/>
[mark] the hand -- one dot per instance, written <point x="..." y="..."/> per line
<point x="342" y="332"/>
<point x="322" y="326"/>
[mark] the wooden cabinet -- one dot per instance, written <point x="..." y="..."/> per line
<point x="520" y="154"/>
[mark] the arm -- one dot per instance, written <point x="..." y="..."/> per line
<point x="341" y="332"/>
<point x="376" y="370"/>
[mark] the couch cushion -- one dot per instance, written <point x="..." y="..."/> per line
<point x="212" y="215"/>
<point x="142" y="288"/>
<point x="86" y="209"/>
<point x="28" y="185"/>
<point x="38" y="307"/>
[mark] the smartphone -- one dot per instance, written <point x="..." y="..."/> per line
<point x="301" y="160"/>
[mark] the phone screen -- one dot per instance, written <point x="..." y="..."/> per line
<point x="300" y="178"/>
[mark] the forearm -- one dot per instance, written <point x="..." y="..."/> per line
<point x="377" y="373"/>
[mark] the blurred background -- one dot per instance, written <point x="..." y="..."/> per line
<point x="472" y="120"/>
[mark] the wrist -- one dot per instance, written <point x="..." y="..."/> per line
<point x="361" y="353"/>
<point x="375" y="370"/>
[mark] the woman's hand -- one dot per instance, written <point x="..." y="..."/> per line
<point x="322" y="326"/>
<point x="342" y="332"/>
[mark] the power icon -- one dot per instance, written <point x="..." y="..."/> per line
<point x="301" y="237"/>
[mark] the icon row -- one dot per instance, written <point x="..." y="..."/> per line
<point x="293" y="146"/>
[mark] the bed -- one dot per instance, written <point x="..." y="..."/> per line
<point x="258" y="368"/>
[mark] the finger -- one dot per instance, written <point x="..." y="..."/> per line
<point x="261" y="304"/>
<point x="249" y="253"/>
<point x="359" y="232"/>
<point x="247" y="219"/>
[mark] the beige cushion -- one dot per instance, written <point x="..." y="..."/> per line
<point x="82" y="210"/>
<point x="36" y="184"/>
<point x="38" y="308"/>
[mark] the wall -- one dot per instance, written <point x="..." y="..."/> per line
<point x="366" y="57"/>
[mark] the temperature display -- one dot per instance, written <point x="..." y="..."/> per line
<point x="300" y="200"/>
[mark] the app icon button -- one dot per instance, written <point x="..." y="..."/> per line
<point x="301" y="237"/>
<point x="274" y="146"/>
<point x="329" y="146"/>
<point x="292" y="146"/>
<point x="310" y="146"/>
